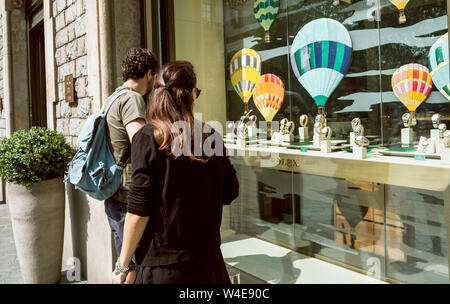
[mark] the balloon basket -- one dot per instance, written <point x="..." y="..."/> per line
<point x="412" y="119"/>
<point x="269" y="130"/>
<point x="402" y="18"/>
<point x="321" y="110"/>
<point x="246" y="109"/>
<point x="267" y="37"/>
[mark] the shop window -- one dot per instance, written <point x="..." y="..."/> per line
<point x="291" y="219"/>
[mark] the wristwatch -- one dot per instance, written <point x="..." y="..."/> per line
<point x="119" y="269"/>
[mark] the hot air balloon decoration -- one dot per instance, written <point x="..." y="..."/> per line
<point x="265" y="12"/>
<point x="401" y="5"/>
<point x="411" y="84"/>
<point x="321" y="55"/>
<point x="269" y="97"/>
<point x="337" y="2"/>
<point x="439" y="65"/>
<point x="245" y="70"/>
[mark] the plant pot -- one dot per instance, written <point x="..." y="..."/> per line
<point x="37" y="216"/>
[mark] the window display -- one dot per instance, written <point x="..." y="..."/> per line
<point x="319" y="89"/>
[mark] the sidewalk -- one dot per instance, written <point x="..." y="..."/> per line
<point x="9" y="263"/>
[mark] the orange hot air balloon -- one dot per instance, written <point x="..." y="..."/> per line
<point x="269" y="96"/>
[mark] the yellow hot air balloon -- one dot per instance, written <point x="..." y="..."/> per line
<point x="269" y="96"/>
<point x="401" y="5"/>
<point x="245" y="70"/>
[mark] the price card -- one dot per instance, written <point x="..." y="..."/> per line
<point x="304" y="149"/>
<point x="419" y="157"/>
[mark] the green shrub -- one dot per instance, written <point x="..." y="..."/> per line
<point x="34" y="156"/>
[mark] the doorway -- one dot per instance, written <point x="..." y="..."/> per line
<point x="36" y="53"/>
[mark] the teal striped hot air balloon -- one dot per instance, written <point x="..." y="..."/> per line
<point x="320" y="57"/>
<point x="439" y="65"/>
<point x="265" y="12"/>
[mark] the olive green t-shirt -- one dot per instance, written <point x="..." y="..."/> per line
<point x="126" y="108"/>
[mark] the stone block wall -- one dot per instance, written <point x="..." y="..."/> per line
<point x="2" y="95"/>
<point x="71" y="58"/>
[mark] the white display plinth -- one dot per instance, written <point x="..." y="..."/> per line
<point x="352" y="140"/>
<point x="230" y="137"/>
<point x="276" y="138"/>
<point x="303" y="133"/>
<point x="440" y="146"/>
<point x="316" y="140"/>
<point x="434" y="133"/>
<point x="252" y="132"/>
<point x="407" y="136"/>
<point x="241" y="143"/>
<point x="359" y="152"/>
<point x="325" y="146"/>
<point x="445" y="155"/>
<point x="287" y="138"/>
<point x="431" y="148"/>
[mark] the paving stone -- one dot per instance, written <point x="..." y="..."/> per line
<point x="9" y="264"/>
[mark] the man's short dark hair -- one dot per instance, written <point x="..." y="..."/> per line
<point x="137" y="62"/>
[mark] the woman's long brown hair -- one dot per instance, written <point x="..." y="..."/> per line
<point x="171" y="101"/>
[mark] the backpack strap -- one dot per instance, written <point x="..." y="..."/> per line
<point x="124" y="160"/>
<point x="108" y="106"/>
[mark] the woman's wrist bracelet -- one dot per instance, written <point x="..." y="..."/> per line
<point x="120" y="269"/>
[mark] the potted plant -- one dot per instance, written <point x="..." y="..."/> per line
<point x="33" y="165"/>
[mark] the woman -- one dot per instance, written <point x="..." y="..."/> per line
<point x="177" y="191"/>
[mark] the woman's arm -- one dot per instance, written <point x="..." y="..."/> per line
<point x="141" y="198"/>
<point x="134" y="229"/>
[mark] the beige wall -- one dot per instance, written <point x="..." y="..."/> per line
<point x="199" y="39"/>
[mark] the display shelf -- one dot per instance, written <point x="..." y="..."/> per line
<point x="277" y="265"/>
<point x="428" y="174"/>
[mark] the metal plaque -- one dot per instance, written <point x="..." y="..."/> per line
<point x="69" y="88"/>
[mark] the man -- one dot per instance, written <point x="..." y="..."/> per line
<point x="127" y="116"/>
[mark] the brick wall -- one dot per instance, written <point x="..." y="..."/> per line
<point x="71" y="58"/>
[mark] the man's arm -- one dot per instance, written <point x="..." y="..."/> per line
<point x="133" y="127"/>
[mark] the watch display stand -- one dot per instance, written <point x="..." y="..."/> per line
<point x="407" y="136"/>
<point x="303" y="134"/>
<point x="325" y="146"/>
<point x="359" y="152"/>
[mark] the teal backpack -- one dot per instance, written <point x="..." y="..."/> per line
<point x="93" y="169"/>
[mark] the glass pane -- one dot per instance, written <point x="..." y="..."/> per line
<point x="358" y="93"/>
<point x="261" y="226"/>
<point x="407" y="43"/>
<point x="416" y="236"/>
<point x="199" y="31"/>
<point x="297" y="225"/>
<point x="338" y="223"/>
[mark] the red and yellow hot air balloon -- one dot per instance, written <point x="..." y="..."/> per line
<point x="412" y="84"/>
<point x="269" y="96"/>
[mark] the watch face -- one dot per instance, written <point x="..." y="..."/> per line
<point x="436" y="119"/>
<point x="406" y="119"/>
<point x="303" y="120"/>
<point x="359" y="130"/>
<point x="355" y="123"/>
